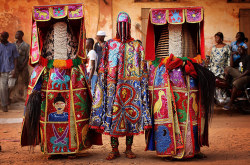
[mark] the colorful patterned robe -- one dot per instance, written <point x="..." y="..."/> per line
<point x="120" y="106"/>
<point x="67" y="134"/>
<point x="177" y="114"/>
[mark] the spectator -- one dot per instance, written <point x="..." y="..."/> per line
<point x="241" y="78"/>
<point x="240" y="41"/>
<point x="99" y="46"/>
<point x="22" y="63"/>
<point x="92" y="64"/>
<point x="220" y="56"/>
<point x="8" y="61"/>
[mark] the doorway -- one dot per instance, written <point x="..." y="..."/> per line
<point x="245" y="24"/>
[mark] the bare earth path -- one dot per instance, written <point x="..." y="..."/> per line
<point x="229" y="144"/>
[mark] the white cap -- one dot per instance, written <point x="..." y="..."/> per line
<point x="101" y="33"/>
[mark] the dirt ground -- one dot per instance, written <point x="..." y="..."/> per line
<point x="229" y="144"/>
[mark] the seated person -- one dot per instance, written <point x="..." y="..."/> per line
<point x="241" y="77"/>
<point x="241" y="40"/>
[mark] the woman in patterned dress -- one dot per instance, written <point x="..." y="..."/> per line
<point x="220" y="57"/>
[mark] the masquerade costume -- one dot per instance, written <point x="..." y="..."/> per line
<point x="180" y="90"/>
<point x="59" y="100"/>
<point x="120" y="106"/>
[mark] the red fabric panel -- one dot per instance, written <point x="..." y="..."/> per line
<point x="202" y="44"/>
<point x="150" y="42"/>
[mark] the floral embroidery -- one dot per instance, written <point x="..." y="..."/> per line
<point x="194" y="15"/>
<point x="159" y="16"/>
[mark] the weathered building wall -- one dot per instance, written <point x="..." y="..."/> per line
<point x="219" y="16"/>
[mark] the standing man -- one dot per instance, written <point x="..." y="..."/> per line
<point x="99" y="46"/>
<point x="22" y="63"/>
<point x="8" y="61"/>
<point x="92" y="64"/>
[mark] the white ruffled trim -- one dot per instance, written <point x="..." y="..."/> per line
<point x="60" y="41"/>
<point x="175" y="39"/>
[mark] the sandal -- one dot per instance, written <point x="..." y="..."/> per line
<point x="129" y="154"/>
<point x="112" y="155"/>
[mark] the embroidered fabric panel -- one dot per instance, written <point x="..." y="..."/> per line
<point x="61" y="11"/>
<point x="65" y="111"/>
<point x="194" y="15"/>
<point x="176" y="15"/>
<point x="158" y="16"/>
<point x="175" y="40"/>
<point x="75" y="12"/>
<point x="35" y="55"/>
<point x="41" y="14"/>
<point x="175" y="113"/>
<point x="120" y="106"/>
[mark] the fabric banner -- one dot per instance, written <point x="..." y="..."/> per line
<point x="41" y="14"/>
<point x="158" y="16"/>
<point x="82" y="41"/>
<point x="35" y="55"/>
<point x="58" y="11"/>
<point x="75" y="12"/>
<point x="194" y="15"/>
<point x="176" y="16"/>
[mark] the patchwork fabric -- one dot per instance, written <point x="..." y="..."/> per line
<point x="120" y="106"/>
<point x="65" y="110"/>
<point x="176" y="113"/>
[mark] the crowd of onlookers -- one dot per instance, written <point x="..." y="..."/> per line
<point x="13" y="67"/>
<point x="231" y="62"/>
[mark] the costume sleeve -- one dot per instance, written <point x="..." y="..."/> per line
<point x="144" y="88"/>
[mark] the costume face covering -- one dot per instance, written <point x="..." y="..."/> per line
<point x="123" y="27"/>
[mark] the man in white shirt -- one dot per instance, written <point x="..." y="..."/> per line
<point x="92" y="64"/>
